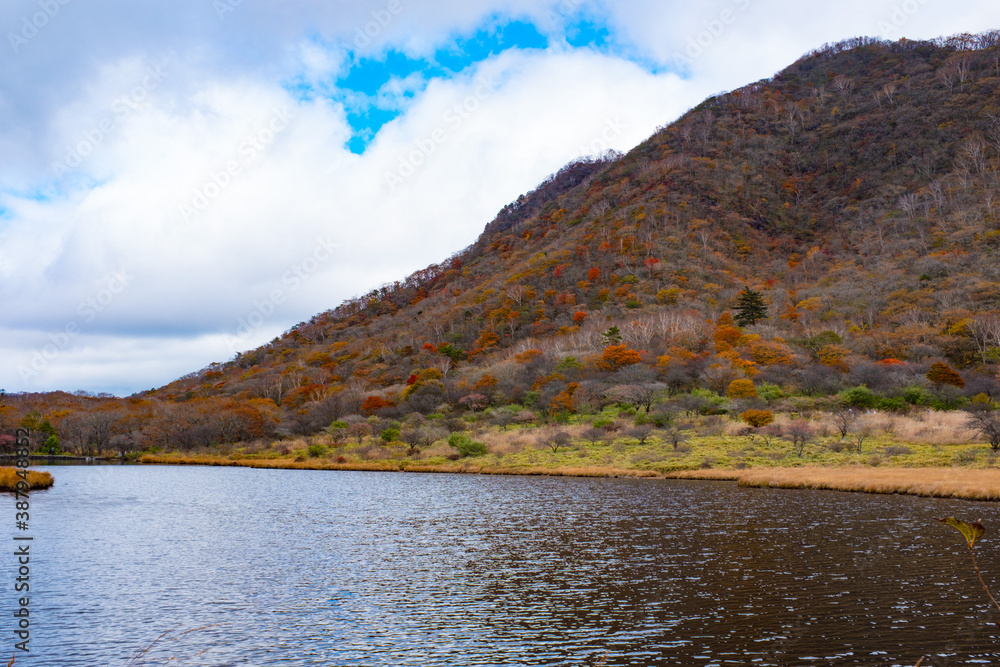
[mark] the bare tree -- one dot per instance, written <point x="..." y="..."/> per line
<point x="985" y="331"/>
<point x="800" y="433"/>
<point x="986" y="421"/>
<point x="861" y="432"/>
<point x="843" y="419"/>
<point x="675" y="434"/>
<point x="640" y="433"/>
<point x="844" y="85"/>
<point x="555" y="439"/>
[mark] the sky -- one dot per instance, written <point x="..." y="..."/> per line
<point x="182" y="180"/>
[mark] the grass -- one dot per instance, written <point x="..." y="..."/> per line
<point x="929" y="482"/>
<point x="36" y="479"/>
<point x="924" y="453"/>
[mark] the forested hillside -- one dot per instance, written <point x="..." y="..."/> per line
<point x="855" y="193"/>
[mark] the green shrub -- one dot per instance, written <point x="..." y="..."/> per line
<point x="466" y="446"/>
<point x="894" y="404"/>
<point x="316" y="450"/>
<point x="917" y="396"/>
<point x="389" y="434"/>
<point x="859" y="397"/>
<point x="601" y="422"/>
<point x="769" y="392"/>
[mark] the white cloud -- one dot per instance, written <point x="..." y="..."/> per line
<point x="217" y="189"/>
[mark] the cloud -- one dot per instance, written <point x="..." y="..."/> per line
<point x="177" y="148"/>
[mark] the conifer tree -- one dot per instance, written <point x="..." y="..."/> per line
<point x="750" y="308"/>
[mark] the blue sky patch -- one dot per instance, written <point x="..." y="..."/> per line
<point x="359" y="87"/>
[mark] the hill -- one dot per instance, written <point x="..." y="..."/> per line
<point x="854" y="192"/>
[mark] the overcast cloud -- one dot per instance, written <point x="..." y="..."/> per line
<point x="181" y="180"/>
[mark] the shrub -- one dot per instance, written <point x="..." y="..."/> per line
<point x="859" y="397"/>
<point x="917" y="396"/>
<point x="316" y="450"/>
<point x="466" y="446"/>
<point x="770" y="392"/>
<point x="941" y="373"/>
<point x="894" y="404"/>
<point x="757" y="418"/>
<point x="618" y="356"/>
<point x="389" y="434"/>
<point x="742" y="388"/>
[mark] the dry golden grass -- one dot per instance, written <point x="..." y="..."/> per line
<point x="36" y="479"/>
<point x="933" y="482"/>
<point x="927" y="427"/>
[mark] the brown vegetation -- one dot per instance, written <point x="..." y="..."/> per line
<point x="36" y="479"/>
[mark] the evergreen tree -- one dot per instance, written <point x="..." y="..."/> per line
<point x="750" y="308"/>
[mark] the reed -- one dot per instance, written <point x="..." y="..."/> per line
<point x="970" y="484"/>
<point x="36" y="479"/>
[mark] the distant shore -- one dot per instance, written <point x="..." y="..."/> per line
<point x="955" y="482"/>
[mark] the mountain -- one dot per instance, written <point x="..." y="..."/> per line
<point x="855" y="192"/>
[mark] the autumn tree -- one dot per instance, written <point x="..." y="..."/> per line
<point x="618" y="356"/>
<point x="742" y="388"/>
<point x="757" y="418"/>
<point x="942" y="374"/>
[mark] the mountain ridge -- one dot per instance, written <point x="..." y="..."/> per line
<point x="854" y="189"/>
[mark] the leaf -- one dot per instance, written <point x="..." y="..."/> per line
<point x="970" y="531"/>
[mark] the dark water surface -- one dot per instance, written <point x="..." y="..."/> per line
<point x="355" y="568"/>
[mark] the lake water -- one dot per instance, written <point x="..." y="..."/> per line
<point x="354" y="568"/>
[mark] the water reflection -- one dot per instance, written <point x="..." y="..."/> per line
<point x="335" y="568"/>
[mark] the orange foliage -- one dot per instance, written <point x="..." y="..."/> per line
<point x="757" y="418"/>
<point x="941" y="373"/>
<point x="485" y="383"/>
<point x="834" y="356"/>
<point x="619" y="356"/>
<point x="742" y="388"/>
<point x="727" y="334"/>
<point x="427" y="347"/>
<point x="564" y="401"/>
<point x="488" y="339"/>
<point x="579" y="316"/>
<point x="527" y="356"/>
<point x="373" y="404"/>
<point x="725" y="320"/>
<point x="593" y="274"/>
<point x="771" y="353"/>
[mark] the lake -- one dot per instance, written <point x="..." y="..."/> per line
<point x="287" y="567"/>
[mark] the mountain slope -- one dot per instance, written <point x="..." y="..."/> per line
<point x="855" y="189"/>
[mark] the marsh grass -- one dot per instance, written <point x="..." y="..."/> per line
<point x="926" y="443"/>
<point x="36" y="479"/>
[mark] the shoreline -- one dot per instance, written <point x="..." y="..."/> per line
<point x="960" y="483"/>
